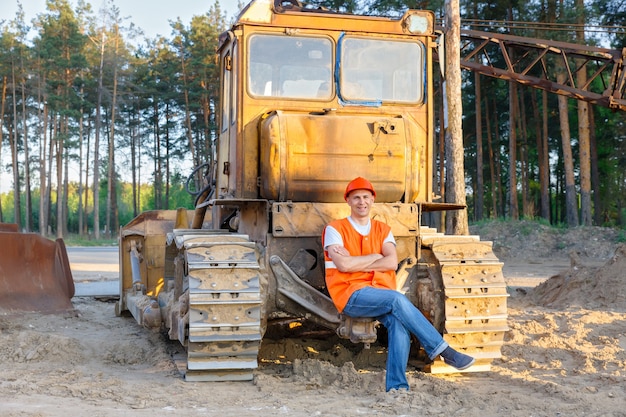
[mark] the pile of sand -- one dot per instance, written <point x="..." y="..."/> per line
<point x="588" y="287"/>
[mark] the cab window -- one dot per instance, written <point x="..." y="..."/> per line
<point x="381" y="70"/>
<point x="297" y="67"/>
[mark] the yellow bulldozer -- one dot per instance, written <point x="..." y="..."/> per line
<point x="310" y="99"/>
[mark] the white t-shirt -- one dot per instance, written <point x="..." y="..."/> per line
<point x="333" y="237"/>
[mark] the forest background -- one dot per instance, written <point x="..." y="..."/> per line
<point x="98" y="124"/>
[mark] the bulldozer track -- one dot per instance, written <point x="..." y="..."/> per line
<point x="473" y="307"/>
<point x="221" y="283"/>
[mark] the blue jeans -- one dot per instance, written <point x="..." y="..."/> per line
<point x="401" y="318"/>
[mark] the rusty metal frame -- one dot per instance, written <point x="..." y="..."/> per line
<point x="538" y="62"/>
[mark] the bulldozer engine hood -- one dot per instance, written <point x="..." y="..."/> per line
<point x="330" y="149"/>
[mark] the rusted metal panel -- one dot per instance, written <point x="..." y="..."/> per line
<point x="9" y="227"/>
<point x="305" y="219"/>
<point x="330" y="150"/>
<point x="309" y="219"/>
<point x="35" y="273"/>
<point x="148" y="231"/>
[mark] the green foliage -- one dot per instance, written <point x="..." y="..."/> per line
<point x="77" y="240"/>
<point x="610" y="142"/>
<point x="178" y="198"/>
<point x="79" y="70"/>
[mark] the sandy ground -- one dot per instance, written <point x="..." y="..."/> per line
<point x="565" y="355"/>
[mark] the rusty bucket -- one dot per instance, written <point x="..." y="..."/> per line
<point x="35" y="272"/>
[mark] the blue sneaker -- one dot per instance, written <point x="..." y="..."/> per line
<point x="456" y="359"/>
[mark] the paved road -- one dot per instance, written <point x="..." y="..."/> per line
<point x="93" y="255"/>
<point x="95" y="270"/>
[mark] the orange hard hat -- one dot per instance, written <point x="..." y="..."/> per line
<point x="359" y="183"/>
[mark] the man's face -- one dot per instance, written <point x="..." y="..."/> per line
<point x="360" y="202"/>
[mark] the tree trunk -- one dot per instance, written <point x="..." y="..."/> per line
<point x="58" y="140"/>
<point x="527" y="206"/>
<point x="166" y="183"/>
<point x="498" y="163"/>
<point x="492" y="168"/>
<point x="139" y="147"/>
<point x="66" y="182"/>
<point x="456" y="221"/>
<point x="28" y="218"/>
<point x="80" y="168"/>
<point x="43" y="176"/>
<point x="13" y="141"/>
<point x="480" y="185"/>
<point x="87" y="152"/>
<point x="595" y="172"/>
<point x="544" y="158"/>
<point x="571" y="212"/>
<point x="551" y="8"/>
<point x="2" y="104"/>
<point x="112" y="214"/>
<point x="46" y="156"/>
<point x="537" y="128"/>
<point x="133" y="155"/>
<point x="96" y="146"/>
<point x="157" y="157"/>
<point x="513" y="204"/>
<point x="51" y="143"/>
<point x="583" y="127"/>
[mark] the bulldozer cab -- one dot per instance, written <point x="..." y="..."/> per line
<point x="303" y="88"/>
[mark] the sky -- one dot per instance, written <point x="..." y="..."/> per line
<point x="150" y="15"/>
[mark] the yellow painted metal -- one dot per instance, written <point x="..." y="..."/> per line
<point x="149" y="231"/>
<point x="223" y="285"/>
<point x="309" y="219"/>
<point x="296" y="150"/>
<point x="473" y="311"/>
<point x="261" y="12"/>
<point x="328" y="152"/>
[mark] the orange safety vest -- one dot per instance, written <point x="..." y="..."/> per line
<point x="341" y="285"/>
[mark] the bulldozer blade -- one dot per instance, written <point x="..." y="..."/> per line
<point x="35" y="273"/>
